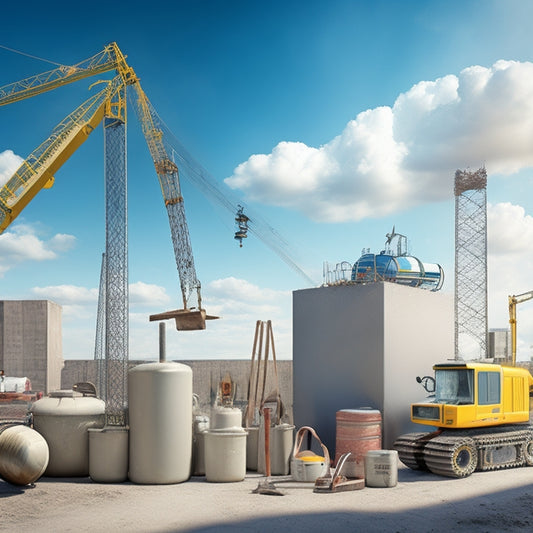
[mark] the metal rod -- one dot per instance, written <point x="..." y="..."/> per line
<point x="162" y="343"/>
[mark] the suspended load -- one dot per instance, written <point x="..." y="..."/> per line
<point x="398" y="267"/>
<point x="241" y="221"/>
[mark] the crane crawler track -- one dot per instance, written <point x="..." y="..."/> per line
<point x="458" y="453"/>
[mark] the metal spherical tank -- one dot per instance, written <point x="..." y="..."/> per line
<point x="160" y="420"/>
<point x="23" y="454"/>
<point x="63" y="419"/>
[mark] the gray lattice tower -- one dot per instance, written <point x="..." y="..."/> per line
<point x="471" y="264"/>
<point x="116" y="266"/>
<point x="99" y="342"/>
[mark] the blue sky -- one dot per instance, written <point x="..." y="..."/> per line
<point x="332" y="120"/>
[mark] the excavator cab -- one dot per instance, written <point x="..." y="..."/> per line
<point x="475" y="394"/>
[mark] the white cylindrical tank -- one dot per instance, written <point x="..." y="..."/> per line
<point x="160" y="417"/>
<point x="23" y="454"/>
<point x="63" y="419"/>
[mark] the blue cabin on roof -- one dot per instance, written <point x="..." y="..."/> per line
<point x="397" y="267"/>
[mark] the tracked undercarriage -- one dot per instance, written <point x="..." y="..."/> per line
<point x="459" y="452"/>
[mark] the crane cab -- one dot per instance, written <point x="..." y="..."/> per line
<point x="468" y="395"/>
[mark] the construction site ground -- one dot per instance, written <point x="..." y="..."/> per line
<point x="420" y="502"/>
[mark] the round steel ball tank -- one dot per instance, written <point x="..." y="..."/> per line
<point x="23" y="454"/>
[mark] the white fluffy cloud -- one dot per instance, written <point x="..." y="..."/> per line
<point x="510" y="263"/>
<point x="22" y="243"/>
<point x="9" y="162"/>
<point x="141" y="293"/>
<point x="237" y="302"/>
<point x="67" y="294"/>
<point x="392" y="158"/>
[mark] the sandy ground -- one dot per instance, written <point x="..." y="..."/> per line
<point x="420" y="502"/>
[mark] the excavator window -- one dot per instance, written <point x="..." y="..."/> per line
<point x="454" y="386"/>
<point x="488" y="386"/>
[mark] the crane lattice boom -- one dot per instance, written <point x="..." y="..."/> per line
<point x="111" y="58"/>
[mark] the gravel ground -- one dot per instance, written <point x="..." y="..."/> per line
<point x="420" y="502"/>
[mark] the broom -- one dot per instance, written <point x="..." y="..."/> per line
<point x="266" y="486"/>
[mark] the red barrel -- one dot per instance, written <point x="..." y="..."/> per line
<point x="358" y="431"/>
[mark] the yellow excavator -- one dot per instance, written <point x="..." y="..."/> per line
<point x="481" y="412"/>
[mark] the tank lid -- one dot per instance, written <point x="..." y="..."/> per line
<point x="168" y="366"/>
<point x="65" y="394"/>
<point x="228" y="431"/>
<point x="74" y="404"/>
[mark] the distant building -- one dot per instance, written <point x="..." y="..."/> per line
<point x="31" y="342"/>
<point x="499" y="345"/>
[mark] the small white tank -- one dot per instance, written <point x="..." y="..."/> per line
<point x="63" y="419"/>
<point x="23" y="455"/>
<point x="225" y="455"/>
<point x="226" y="417"/>
<point x="160" y="420"/>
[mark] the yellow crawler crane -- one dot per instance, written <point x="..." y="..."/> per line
<point x="481" y="415"/>
<point x="26" y="183"/>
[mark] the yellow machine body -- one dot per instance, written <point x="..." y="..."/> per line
<point x="470" y="395"/>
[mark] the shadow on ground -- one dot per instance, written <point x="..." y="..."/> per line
<point x="510" y="511"/>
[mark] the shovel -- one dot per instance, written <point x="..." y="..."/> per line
<point x="266" y="486"/>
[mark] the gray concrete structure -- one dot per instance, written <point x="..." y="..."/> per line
<point x="499" y="345"/>
<point x="363" y="346"/>
<point x="31" y="342"/>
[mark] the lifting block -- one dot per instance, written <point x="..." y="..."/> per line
<point x="186" y="320"/>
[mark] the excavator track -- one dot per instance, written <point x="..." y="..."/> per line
<point x="410" y="448"/>
<point x="458" y="453"/>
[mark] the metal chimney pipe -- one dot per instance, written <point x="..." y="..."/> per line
<point x="162" y="343"/>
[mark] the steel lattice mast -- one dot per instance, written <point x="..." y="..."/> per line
<point x="116" y="272"/>
<point x="471" y="264"/>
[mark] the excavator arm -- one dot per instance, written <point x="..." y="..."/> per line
<point x="37" y="171"/>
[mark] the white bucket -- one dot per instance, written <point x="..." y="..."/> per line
<point x="381" y="468"/>
<point x="225" y="455"/>
<point x="308" y="468"/>
<point x="108" y="454"/>
<point x="281" y="443"/>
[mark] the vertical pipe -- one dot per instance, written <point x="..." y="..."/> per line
<point x="162" y="343"/>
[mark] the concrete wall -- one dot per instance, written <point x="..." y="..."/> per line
<point x="206" y="376"/>
<point x="363" y="346"/>
<point x="30" y="342"/>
